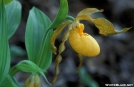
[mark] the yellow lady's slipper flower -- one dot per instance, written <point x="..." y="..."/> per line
<point x="83" y="43"/>
<point x="33" y="81"/>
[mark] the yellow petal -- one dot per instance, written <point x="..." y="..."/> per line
<point x="84" y="44"/>
<point x="65" y="37"/>
<point x="89" y="11"/>
<point x="106" y="27"/>
<point x="84" y="14"/>
<point x="84" y="17"/>
<point x="57" y="71"/>
<point x="56" y="33"/>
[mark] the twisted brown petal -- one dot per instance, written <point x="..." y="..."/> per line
<point x="56" y="33"/>
<point x="59" y="58"/>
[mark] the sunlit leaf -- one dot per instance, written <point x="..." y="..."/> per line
<point x="106" y="27"/>
<point x="13" y="11"/>
<point x="4" y="48"/>
<point x="6" y="1"/>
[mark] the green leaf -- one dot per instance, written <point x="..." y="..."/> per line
<point x="6" y="1"/>
<point x="13" y="11"/>
<point x="36" y="27"/>
<point x="62" y="14"/>
<point x="4" y="48"/>
<point x="86" y="79"/>
<point x="44" y="59"/>
<point x="27" y="66"/>
<point x="10" y="82"/>
<point x="45" y="50"/>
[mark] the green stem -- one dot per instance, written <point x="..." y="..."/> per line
<point x="70" y="17"/>
<point x="13" y="71"/>
<point x="80" y="60"/>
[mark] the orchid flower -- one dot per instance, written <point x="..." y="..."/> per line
<point x="83" y="43"/>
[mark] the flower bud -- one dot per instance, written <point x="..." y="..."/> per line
<point x="33" y="81"/>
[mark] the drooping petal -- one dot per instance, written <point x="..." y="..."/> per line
<point x="89" y="11"/>
<point x="59" y="57"/>
<point x="84" y="17"/>
<point x="57" y="71"/>
<point x="84" y="14"/>
<point x="56" y="33"/>
<point x="84" y="44"/>
<point x="106" y="27"/>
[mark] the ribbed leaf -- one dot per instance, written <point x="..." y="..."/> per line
<point x="4" y="48"/>
<point x="13" y="11"/>
<point x="27" y="66"/>
<point x="44" y="55"/>
<point x="36" y="27"/>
